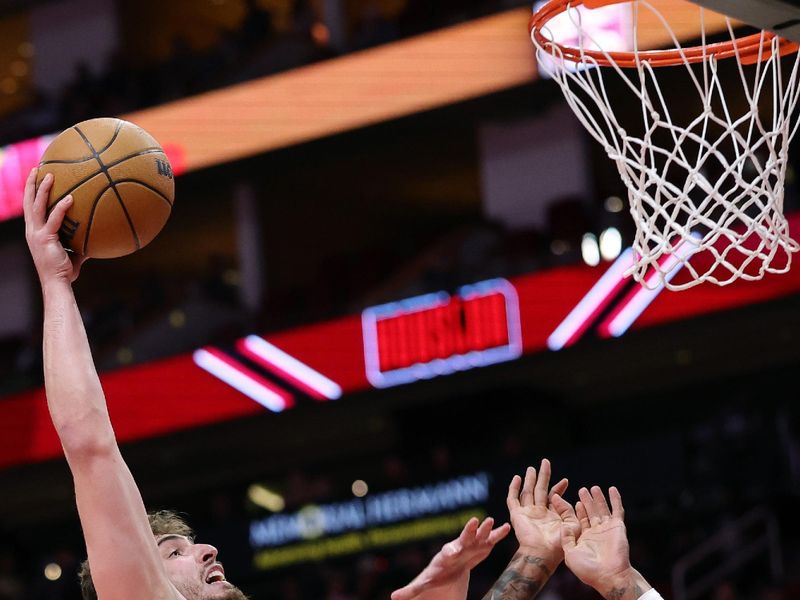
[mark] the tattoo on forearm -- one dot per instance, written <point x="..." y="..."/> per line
<point x="619" y="593"/>
<point x="522" y="579"/>
<point x="539" y="562"/>
<point x="616" y="593"/>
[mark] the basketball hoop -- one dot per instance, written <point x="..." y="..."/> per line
<point x="706" y="189"/>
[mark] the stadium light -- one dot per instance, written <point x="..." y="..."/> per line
<point x="52" y="571"/>
<point x="610" y="243"/>
<point x="265" y="498"/>
<point x="360" y="488"/>
<point x="590" y="250"/>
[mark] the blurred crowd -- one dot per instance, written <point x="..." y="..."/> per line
<point x="258" y="47"/>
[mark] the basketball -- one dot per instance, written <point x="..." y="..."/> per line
<point x="121" y="183"/>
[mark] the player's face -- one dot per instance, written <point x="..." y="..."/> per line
<point x="194" y="571"/>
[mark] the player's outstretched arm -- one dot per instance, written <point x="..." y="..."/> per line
<point x="595" y="544"/>
<point x="121" y="547"/>
<point x="447" y="575"/>
<point x="538" y="529"/>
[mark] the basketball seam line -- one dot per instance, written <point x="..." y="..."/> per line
<point x="145" y="185"/>
<point x="108" y="187"/>
<point x="109" y="166"/>
<point x="105" y="172"/>
<point x="113" y="138"/>
<point x="95" y="174"/>
<point x="114" y="164"/>
<point x="80" y="160"/>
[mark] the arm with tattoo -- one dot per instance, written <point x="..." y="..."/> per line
<point x="524" y="576"/>
<point x="537" y="526"/>
<point x="628" y="586"/>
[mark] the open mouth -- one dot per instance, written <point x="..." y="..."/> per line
<point x="215" y="576"/>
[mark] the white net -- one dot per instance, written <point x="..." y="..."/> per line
<point x="705" y="167"/>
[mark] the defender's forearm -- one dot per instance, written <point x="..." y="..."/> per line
<point x="524" y="576"/>
<point x="629" y="585"/>
<point x="74" y="395"/>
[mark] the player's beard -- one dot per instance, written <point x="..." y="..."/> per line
<point x="232" y="593"/>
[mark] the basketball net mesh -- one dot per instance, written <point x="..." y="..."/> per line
<point x="706" y="191"/>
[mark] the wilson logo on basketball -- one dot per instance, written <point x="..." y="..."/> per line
<point x="68" y="228"/>
<point x="164" y="168"/>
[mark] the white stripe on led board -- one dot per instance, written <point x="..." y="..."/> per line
<point x="644" y="296"/>
<point x="300" y="371"/>
<point x="238" y="380"/>
<point x="590" y="301"/>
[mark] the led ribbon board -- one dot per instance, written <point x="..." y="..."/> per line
<point x="16" y="161"/>
<point x="438" y="334"/>
<point x="399" y="516"/>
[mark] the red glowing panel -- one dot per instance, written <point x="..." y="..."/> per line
<point x="17" y="160"/>
<point x="438" y="334"/>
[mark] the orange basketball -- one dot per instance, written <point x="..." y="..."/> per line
<point x="121" y="183"/>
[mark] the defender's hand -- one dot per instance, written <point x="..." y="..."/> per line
<point x="536" y="523"/>
<point x="596" y="544"/>
<point x="52" y="261"/>
<point x="447" y="575"/>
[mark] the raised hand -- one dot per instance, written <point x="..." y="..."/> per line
<point x="52" y="261"/>
<point x="595" y="543"/>
<point x="538" y="529"/>
<point x="447" y="575"/>
<point x="536" y="523"/>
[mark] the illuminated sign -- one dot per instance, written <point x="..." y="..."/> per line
<point x="321" y="362"/>
<point x="447" y="525"/>
<point x="464" y="61"/>
<point x="388" y="518"/>
<point x="438" y="334"/>
<point x="604" y="28"/>
<point x="377" y="509"/>
<point x="17" y="160"/>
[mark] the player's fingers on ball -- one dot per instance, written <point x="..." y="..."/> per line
<point x="512" y="500"/>
<point x="542" y="483"/>
<point x="526" y="498"/>
<point x="43" y="196"/>
<point x="600" y="502"/>
<point x="616" y="503"/>
<point x="30" y="191"/>
<point x="56" y="217"/>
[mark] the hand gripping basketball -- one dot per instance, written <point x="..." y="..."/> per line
<point x="121" y="182"/>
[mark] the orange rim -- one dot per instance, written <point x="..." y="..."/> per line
<point x="750" y="49"/>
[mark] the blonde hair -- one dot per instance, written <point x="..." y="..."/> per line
<point x="162" y="522"/>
